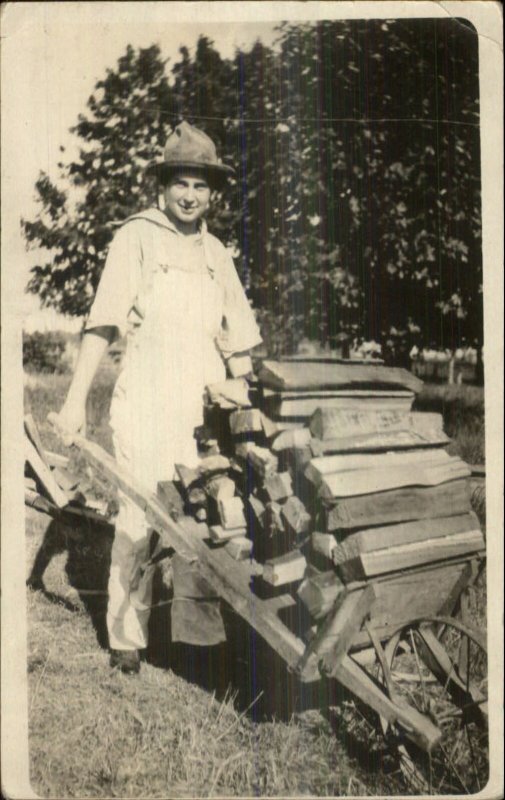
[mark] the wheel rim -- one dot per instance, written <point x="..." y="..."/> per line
<point x="439" y="666"/>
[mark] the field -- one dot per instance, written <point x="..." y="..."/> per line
<point x="199" y="721"/>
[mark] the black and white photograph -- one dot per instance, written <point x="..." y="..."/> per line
<point x="252" y="359"/>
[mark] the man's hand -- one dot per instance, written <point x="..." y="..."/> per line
<point x="70" y="422"/>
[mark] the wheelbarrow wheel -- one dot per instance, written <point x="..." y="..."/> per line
<point x="439" y="666"/>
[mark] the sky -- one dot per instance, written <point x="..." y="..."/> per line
<point x="57" y="53"/>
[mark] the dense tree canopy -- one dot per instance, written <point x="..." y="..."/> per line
<point x="356" y="205"/>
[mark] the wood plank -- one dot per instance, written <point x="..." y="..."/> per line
<point x="303" y="408"/>
<point x="326" y="465"/>
<point x="371" y="539"/>
<point x="370" y="481"/>
<point x="221" y="571"/>
<point x="319" y="592"/>
<point x="400" y="505"/>
<point x="328" y="424"/>
<point x="289" y="375"/>
<point x="44" y="475"/>
<point x="371" y="393"/>
<point x="404" y="556"/>
<point x="380" y="442"/>
<point x="285" y="569"/>
<point x="170" y="498"/>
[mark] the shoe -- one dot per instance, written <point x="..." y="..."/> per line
<point x="127" y="661"/>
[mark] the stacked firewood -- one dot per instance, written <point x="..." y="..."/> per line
<point x="320" y="472"/>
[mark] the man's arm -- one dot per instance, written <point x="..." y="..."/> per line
<point x="240" y="364"/>
<point x="72" y="416"/>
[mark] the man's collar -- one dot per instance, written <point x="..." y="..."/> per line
<point x="158" y="217"/>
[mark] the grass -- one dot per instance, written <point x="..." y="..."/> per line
<point x="225" y="721"/>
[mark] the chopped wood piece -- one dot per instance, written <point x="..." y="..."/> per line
<point x="200" y="513"/>
<point x="399" y="505"/>
<point x="323" y="543"/>
<point x="366" y="541"/>
<point x="197" y="497"/>
<point x="319" y="468"/>
<point x="187" y="476"/>
<point x="290" y="375"/>
<point x="246" y="421"/>
<point x="345" y="423"/>
<point x="394" y="559"/>
<point x="231" y="393"/>
<point x="369" y="481"/>
<point x="296" y="516"/>
<point x="213" y="463"/>
<point x="294" y="437"/>
<point x="258" y="509"/>
<point x="278" y="486"/>
<point x="269" y="426"/>
<point x="273" y="518"/>
<point x="242" y="449"/>
<point x="262" y="461"/>
<point x="220" y="488"/>
<point x="285" y="569"/>
<point x="220" y="534"/>
<point x="239" y="548"/>
<point x="170" y="498"/>
<point x="319" y="592"/>
<point x="231" y="512"/>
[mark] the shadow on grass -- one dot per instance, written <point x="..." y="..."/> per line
<point x="87" y="568"/>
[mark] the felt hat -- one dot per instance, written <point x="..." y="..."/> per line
<point x="189" y="147"/>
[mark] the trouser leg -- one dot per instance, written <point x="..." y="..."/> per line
<point x="127" y="625"/>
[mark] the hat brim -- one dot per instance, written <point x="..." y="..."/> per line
<point x="215" y="171"/>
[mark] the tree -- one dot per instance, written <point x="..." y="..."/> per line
<point x="356" y="205"/>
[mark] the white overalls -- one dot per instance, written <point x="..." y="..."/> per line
<point x="183" y="309"/>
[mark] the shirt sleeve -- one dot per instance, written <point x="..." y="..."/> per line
<point x="239" y="330"/>
<point x="120" y="282"/>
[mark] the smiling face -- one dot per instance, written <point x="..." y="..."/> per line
<point x="187" y="198"/>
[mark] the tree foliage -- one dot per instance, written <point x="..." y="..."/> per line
<point x="356" y="205"/>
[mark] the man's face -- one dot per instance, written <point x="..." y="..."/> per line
<point x="187" y="197"/>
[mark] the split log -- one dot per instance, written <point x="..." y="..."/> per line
<point x="291" y="438"/>
<point x="324" y="544"/>
<point x="231" y="512"/>
<point x="220" y="534"/>
<point x="263" y="462"/>
<point x="230" y="394"/>
<point x="239" y="548"/>
<point x="278" y="486"/>
<point x="296" y="517"/>
<point x="187" y="476"/>
<point x="246" y="421"/>
<point x="400" y="505"/>
<point x="220" y="488"/>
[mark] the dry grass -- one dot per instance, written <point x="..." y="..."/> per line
<point x="196" y="723"/>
